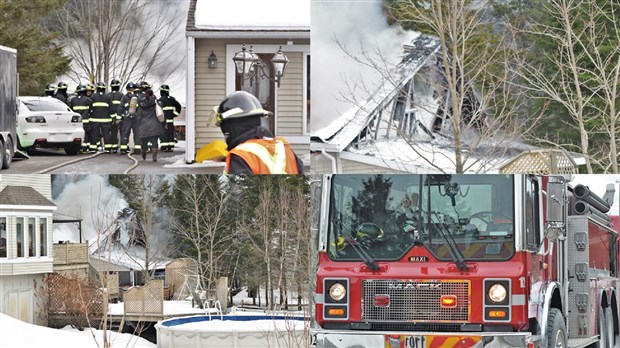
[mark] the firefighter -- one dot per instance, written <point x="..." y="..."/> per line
<point x="115" y="97"/>
<point x="252" y="148"/>
<point x="129" y="120"/>
<point x="50" y="90"/>
<point x="82" y="105"/>
<point x="171" y="108"/>
<point x="100" y="119"/>
<point x="150" y="127"/>
<point x="90" y="88"/>
<point x="61" y="93"/>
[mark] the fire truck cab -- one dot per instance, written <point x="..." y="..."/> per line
<point x="464" y="261"/>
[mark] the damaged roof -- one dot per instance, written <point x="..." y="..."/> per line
<point x="344" y="130"/>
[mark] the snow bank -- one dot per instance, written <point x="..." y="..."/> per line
<point x="15" y="333"/>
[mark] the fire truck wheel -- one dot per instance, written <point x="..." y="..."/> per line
<point x="603" y="329"/>
<point x="556" y="329"/>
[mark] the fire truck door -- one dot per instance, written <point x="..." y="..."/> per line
<point x="535" y="260"/>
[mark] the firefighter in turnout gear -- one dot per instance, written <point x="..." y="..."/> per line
<point x="49" y="90"/>
<point x="90" y="88"/>
<point x="115" y="101"/>
<point x="171" y="108"/>
<point x="61" y="93"/>
<point x="127" y="110"/>
<point x="82" y="105"/>
<point x="100" y="119"/>
<point x="252" y="148"/>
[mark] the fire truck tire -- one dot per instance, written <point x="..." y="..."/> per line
<point x="7" y="150"/>
<point x="556" y="329"/>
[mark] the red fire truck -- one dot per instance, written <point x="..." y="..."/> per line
<point x="465" y="261"/>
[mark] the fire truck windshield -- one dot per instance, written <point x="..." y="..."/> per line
<point x="387" y="215"/>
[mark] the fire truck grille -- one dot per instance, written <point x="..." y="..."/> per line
<point x="414" y="300"/>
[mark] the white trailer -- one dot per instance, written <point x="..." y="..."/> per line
<point x="8" y="105"/>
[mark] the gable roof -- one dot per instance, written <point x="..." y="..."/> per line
<point x="249" y="16"/>
<point x="23" y="195"/>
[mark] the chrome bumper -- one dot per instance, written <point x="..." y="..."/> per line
<point x="391" y="339"/>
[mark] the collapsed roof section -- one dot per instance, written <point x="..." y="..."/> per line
<point x="358" y="121"/>
<point x="406" y="124"/>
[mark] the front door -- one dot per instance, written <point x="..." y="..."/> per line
<point x="262" y="87"/>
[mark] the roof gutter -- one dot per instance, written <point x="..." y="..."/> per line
<point x="332" y="159"/>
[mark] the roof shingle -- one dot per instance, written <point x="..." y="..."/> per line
<point x="23" y="195"/>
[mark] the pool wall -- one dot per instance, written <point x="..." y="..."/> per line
<point x="171" y="333"/>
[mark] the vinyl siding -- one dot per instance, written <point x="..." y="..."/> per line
<point x="359" y="167"/>
<point x="210" y="89"/>
<point x="40" y="182"/>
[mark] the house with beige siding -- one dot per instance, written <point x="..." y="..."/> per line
<point x="25" y="242"/>
<point x="219" y="29"/>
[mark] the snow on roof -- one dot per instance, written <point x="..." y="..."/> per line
<point x="342" y="131"/>
<point x="133" y="258"/>
<point x="252" y="15"/>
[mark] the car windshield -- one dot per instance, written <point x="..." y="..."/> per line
<point x="387" y="215"/>
<point x="48" y="104"/>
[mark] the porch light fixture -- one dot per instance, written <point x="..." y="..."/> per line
<point x="249" y="65"/>
<point x="212" y="61"/>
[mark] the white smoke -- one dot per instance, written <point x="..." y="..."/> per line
<point x="359" y="25"/>
<point x="91" y="199"/>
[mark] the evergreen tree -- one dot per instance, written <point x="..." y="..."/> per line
<point x="39" y="58"/>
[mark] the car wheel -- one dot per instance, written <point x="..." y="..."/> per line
<point x="7" y="154"/>
<point x="72" y="150"/>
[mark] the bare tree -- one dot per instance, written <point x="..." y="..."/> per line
<point x="123" y="39"/>
<point x="199" y="220"/>
<point x="586" y="77"/>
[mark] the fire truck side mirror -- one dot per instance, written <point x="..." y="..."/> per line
<point x="555" y="202"/>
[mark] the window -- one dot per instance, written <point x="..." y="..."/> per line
<point x="532" y="222"/>
<point x="43" y="237"/>
<point x="32" y="246"/>
<point x="21" y="238"/>
<point x="3" y="237"/>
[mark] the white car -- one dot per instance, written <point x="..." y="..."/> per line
<point x="45" y="122"/>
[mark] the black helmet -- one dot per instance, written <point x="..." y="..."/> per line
<point x="115" y="84"/>
<point x="130" y="86"/>
<point x="100" y="86"/>
<point x="62" y="85"/>
<point x="143" y="85"/>
<point x="164" y="88"/>
<point x="50" y="89"/>
<point x="80" y="88"/>
<point x="238" y="104"/>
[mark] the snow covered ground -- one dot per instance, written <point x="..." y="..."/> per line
<point x="15" y="333"/>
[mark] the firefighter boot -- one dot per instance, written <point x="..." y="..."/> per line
<point x="155" y="154"/>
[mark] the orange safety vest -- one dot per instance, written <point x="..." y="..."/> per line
<point x="266" y="156"/>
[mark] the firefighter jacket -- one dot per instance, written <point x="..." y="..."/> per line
<point x="171" y="108"/>
<point x="62" y="97"/>
<point x="123" y="107"/>
<point x="115" y="102"/>
<point x="263" y="156"/>
<point x="149" y="125"/>
<point x="83" y="106"/>
<point x="101" y="108"/>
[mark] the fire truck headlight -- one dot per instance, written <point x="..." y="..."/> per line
<point x="337" y="291"/>
<point x="497" y="293"/>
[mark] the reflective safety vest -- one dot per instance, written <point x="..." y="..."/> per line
<point x="266" y="156"/>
